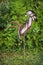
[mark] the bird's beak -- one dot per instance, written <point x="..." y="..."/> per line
<point x="34" y="17"/>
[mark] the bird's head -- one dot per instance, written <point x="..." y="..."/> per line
<point x="31" y="14"/>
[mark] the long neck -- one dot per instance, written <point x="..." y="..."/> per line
<point x="29" y="22"/>
<point x="27" y="25"/>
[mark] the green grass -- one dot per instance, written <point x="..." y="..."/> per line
<point x="32" y="57"/>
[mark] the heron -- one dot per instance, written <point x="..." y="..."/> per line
<point x="22" y="29"/>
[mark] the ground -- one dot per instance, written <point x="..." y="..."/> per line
<point x="32" y="57"/>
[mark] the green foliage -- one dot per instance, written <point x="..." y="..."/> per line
<point x="15" y="11"/>
<point x="17" y="58"/>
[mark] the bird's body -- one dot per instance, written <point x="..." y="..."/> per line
<point x="27" y="25"/>
<point x="22" y="30"/>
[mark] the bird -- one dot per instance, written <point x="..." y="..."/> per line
<point x="22" y="29"/>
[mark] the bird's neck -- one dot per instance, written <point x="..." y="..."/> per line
<point x="29" y="22"/>
<point x="27" y="25"/>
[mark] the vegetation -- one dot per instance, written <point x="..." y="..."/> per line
<point x="15" y="10"/>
